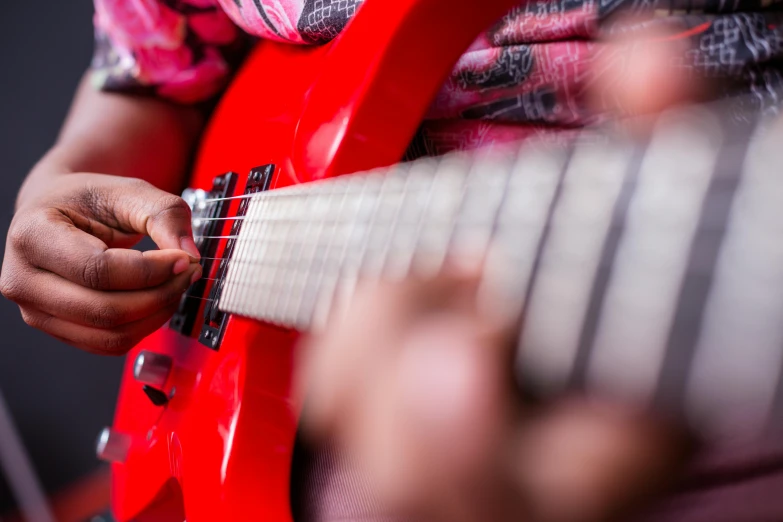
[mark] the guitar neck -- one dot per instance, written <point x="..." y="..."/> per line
<point x="650" y="272"/>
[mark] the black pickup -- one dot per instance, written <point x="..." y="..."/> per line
<point x="215" y="320"/>
<point x="209" y="215"/>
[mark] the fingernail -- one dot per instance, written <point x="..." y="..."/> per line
<point x="196" y="276"/>
<point x="188" y="245"/>
<point x="181" y="265"/>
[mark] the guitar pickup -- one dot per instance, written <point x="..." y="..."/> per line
<point x="259" y="180"/>
<point x="208" y="216"/>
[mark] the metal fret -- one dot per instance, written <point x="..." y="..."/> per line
<point x="302" y="306"/>
<point x="233" y="282"/>
<point x="395" y="229"/>
<point x="741" y="340"/>
<point x="370" y="203"/>
<point x="319" y="211"/>
<point x="280" y="271"/>
<point x="476" y="222"/>
<point x="652" y="256"/>
<point x="241" y="274"/>
<point x="533" y="179"/>
<point x="384" y="225"/>
<point x="286" y="267"/>
<point x="256" y="290"/>
<point x="283" y="273"/>
<point x="259" y="227"/>
<point x="351" y="210"/>
<point x="441" y="215"/>
<point x="579" y="226"/>
<point x="257" y="262"/>
<point x="298" y="239"/>
<point x="294" y="238"/>
<point x="404" y="242"/>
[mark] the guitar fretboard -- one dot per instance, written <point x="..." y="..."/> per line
<point x="650" y="272"/>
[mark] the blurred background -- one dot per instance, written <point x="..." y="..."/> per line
<point x="58" y="397"/>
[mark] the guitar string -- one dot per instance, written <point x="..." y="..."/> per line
<point x="288" y="191"/>
<point x="229" y="218"/>
<point x="243" y="196"/>
<point x="295" y="191"/>
<point x="273" y="193"/>
<point x="307" y="189"/>
<point x="256" y="263"/>
<point x="282" y="193"/>
<point x="198" y="298"/>
<point x="279" y="193"/>
<point x="273" y="239"/>
<point x="231" y="259"/>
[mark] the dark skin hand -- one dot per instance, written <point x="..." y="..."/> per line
<point x="69" y="267"/>
<point x="68" y="263"/>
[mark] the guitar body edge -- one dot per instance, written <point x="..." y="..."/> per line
<point x="221" y="448"/>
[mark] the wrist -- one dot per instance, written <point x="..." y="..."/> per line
<point x="48" y="169"/>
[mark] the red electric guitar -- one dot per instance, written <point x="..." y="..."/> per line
<point x="650" y="272"/>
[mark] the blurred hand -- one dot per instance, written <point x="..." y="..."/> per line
<point x="416" y="384"/>
<point x="69" y="268"/>
<point x="635" y="73"/>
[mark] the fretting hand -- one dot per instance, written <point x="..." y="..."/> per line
<point x="416" y="384"/>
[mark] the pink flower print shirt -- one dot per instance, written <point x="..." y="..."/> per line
<point x="526" y="75"/>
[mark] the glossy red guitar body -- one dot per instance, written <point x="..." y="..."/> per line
<point x="221" y="448"/>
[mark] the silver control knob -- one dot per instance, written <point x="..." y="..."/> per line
<point x="112" y="445"/>
<point x="152" y="368"/>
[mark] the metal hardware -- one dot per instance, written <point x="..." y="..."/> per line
<point x="259" y="180"/>
<point x="194" y="198"/>
<point x="205" y="207"/>
<point x="112" y="445"/>
<point x="152" y="368"/>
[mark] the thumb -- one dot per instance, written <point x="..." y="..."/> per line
<point x="141" y="208"/>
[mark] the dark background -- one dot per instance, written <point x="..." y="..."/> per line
<point x="59" y="397"/>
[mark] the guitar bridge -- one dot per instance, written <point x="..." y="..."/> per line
<point x="215" y="320"/>
<point x="208" y="211"/>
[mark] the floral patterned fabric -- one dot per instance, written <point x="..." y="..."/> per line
<point x="526" y="75"/>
